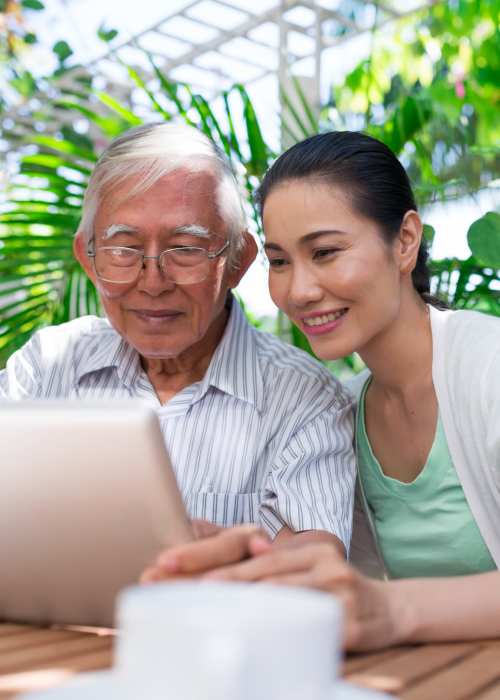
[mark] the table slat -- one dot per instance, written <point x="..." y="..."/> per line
<point x="24" y="659"/>
<point x="360" y="661"/>
<point x="34" y="638"/>
<point x="394" y="674"/>
<point x="460" y="681"/>
<point x="55" y="673"/>
<point x="8" y="629"/>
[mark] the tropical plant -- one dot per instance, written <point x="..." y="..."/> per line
<point x="40" y="283"/>
<point x="430" y="90"/>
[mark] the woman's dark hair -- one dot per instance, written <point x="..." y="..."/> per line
<point x="377" y="183"/>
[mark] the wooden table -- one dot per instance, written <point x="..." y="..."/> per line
<point x="33" y="658"/>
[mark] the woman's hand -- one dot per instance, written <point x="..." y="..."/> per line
<point x="372" y="619"/>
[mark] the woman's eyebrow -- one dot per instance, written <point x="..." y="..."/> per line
<point x="272" y="246"/>
<point x="306" y="239"/>
<point x="316" y="234"/>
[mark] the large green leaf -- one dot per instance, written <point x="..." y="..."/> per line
<point x="484" y="239"/>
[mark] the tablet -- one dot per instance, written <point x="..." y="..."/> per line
<point x="87" y="500"/>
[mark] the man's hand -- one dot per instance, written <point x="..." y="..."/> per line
<point x="225" y="547"/>
<point x="205" y="528"/>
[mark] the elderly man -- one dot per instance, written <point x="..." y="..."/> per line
<point x="257" y="431"/>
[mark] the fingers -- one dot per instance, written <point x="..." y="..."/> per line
<point x="259" y="544"/>
<point x="280" y="562"/>
<point x="229" y="546"/>
<point x="148" y="575"/>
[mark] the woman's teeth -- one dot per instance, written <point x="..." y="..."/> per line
<point x="326" y="318"/>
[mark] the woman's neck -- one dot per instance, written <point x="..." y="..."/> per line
<point x="400" y="358"/>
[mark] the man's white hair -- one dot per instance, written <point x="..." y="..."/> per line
<point x="154" y="150"/>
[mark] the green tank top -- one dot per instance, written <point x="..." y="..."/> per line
<point x="424" y="528"/>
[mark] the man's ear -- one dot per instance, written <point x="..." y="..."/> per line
<point x="80" y="253"/>
<point x="246" y="257"/>
<point x="407" y="243"/>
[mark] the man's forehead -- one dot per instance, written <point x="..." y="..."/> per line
<point x="182" y="184"/>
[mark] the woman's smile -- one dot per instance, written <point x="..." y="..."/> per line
<point x="322" y="321"/>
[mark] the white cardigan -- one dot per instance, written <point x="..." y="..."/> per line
<point x="466" y="376"/>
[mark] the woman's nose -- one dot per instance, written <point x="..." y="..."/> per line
<point x="305" y="287"/>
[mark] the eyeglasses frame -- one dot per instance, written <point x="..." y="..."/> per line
<point x="210" y="256"/>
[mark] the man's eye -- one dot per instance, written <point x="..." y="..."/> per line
<point x="324" y="253"/>
<point x="121" y="252"/>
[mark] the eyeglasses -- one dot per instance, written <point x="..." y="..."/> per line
<point x="182" y="265"/>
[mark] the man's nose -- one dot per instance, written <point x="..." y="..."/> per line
<point x="305" y="287"/>
<point x="152" y="280"/>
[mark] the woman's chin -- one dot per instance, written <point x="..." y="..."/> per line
<point x="329" y="350"/>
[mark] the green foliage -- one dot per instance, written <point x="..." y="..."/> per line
<point x="32" y="5"/>
<point x="106" y="35"/>
<point x="429" y="233"/>
<point x="429" y="90"/>
<point x="41" y="281"/>
<point x="484" y="239"/>
<point x="62" y="50"/>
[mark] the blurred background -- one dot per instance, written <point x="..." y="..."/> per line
<point x="421" y="75"/>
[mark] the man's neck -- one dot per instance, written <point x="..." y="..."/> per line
<point x="171" y="375"/>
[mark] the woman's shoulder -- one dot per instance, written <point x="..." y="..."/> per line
<point x="465" y="334"/>
<point x="461" y="321"/>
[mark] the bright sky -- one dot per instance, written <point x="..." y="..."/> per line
<point x="77" y="21"/>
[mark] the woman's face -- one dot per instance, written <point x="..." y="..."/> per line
<point x="331" y="272"/>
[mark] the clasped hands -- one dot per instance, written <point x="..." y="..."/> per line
<point x="246" y="553"/>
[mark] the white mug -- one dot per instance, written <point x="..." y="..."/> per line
<point x="226" y="641"/>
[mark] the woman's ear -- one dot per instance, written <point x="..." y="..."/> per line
<point x="246" y="257"/>
<point x="80" y="253"/>
<point x="408" y="241"/>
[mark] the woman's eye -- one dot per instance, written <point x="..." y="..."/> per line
<point x="277" y="262"/>
<point x="324" y="253"/>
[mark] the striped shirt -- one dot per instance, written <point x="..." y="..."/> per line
<point x="264" y="437"/>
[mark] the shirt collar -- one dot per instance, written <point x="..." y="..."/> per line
<point x="110" y="350"/>
<point x="234" y="367"/>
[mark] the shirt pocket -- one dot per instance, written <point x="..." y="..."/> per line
<point x="224" y="509"/>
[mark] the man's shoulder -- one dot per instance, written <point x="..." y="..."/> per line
<point x="85" y="327"/>
<point x="281" y="361"/>
<point x="72" y="337"/>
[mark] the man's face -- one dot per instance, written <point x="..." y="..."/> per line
<point x="158" y="317"/>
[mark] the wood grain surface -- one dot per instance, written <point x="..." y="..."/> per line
<point x="33" y="658"/>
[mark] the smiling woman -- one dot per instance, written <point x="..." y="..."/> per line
<point x="347" y="264"/>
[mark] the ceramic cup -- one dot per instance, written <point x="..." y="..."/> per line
<point x="226" y="641"/>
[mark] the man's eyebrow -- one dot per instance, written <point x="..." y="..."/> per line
<point x="193" y="230"/>
<point x="115" y="229"/>
<point x="306" y="239"/>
